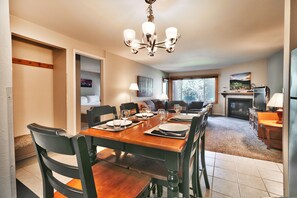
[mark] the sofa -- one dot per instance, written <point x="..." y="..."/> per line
<point x="155" y="104"/>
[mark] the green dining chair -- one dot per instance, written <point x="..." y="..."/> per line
<point x="133" y="107"/>
<point x="201" y="153"/>
<point x="94" y="114"/>
<point x="88" y="181"/>
<point x="110" y="155"/>
<point x="157" y="169"/>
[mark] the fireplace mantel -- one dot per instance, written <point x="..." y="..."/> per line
<point x="236" y="93"/>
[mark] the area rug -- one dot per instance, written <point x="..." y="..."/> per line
<point x="235" y="137"/>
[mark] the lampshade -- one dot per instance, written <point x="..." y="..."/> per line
<point x="134" y="86"/>
<point x="129" y="35"/>
<point x="171" y="33"/>
<point x="276" y="100"/>
<point x="163" y="96"/>
<point x="148" y="28"/>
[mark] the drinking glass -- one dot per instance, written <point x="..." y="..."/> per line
<point x="161" y="112"/>
<point x="177" y="108"/>
<point x="125" y="115"/>
<point x="148" y="110"/>
<point x="144" y="113"/>
<point x="117" y="124"/>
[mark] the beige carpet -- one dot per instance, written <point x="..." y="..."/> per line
<point x="234" y="136"/>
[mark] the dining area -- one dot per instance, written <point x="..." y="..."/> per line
<point x="146" y="154"/>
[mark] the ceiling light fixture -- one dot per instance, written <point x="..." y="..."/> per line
<point x="149" y="36"/>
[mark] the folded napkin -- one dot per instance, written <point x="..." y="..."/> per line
<point x="157" y="132"/>
<point x="172" y="134"/>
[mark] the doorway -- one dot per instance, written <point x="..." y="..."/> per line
<point x="88" y="86"/>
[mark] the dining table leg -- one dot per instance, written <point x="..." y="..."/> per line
<point x="92" y="149"/>
<point x="172" y="164"/>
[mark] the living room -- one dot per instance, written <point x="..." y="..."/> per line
<point x="119" y="72"/>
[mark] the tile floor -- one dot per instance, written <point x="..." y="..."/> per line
<point x="229" y="176"/>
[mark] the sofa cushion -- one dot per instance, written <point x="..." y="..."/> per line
<point x="141" y="105"/>
<point x="196" y="105"/>
<point x="151" y="105"/>
<point x="158" y="104"/>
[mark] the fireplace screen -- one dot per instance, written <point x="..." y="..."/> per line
<point x="239" y="108"/>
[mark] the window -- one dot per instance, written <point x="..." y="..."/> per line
<point x="165" y="86"/>
<point x="196" y="89"/>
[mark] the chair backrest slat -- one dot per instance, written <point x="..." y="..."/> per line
<point x="46" y="139"/>
<point x="55" y="140"/>
<point x="68" y="191"/>
<point x="94" y="114"/>
<point x="133" y="107"/>
<point x="61" y="168"/>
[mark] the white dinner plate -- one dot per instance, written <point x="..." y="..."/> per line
<point x="172" y="127"/>
<point x="148" y="115"/>
<point x="123" y="123"/>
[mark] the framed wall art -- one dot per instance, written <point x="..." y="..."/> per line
<point x="145" y="85"/>
<point x="241" y="81"/>
<point x="85" y="83"/>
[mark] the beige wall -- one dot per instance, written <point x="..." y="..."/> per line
<point x="119" y="73"/>
<point x="32" y="88"/>
<point x="258" y="71"/>
<point x="275" y="66"/>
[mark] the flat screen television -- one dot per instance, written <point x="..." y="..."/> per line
<point x="261" y="97"/>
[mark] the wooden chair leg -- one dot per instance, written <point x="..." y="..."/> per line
<point x="195" y="178"/>
<point x="199" y="191"/>
<point x="203" y="162"/>
<point x="159" y="190"/>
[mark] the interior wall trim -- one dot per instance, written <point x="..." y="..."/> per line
<point x="32" y="63"/>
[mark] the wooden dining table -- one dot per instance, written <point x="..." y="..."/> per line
<point x="133" y="140"/>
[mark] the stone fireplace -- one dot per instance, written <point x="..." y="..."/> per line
<point x="239" y="107"/>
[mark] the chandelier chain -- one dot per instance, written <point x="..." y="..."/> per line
<point x="150" y="14"/>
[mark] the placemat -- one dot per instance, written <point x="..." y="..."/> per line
<point x="104" y="127"/>
<point x="156" y="132"/>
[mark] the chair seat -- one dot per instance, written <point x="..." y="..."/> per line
<point x="114" y="181"/>
<point x="118" y="158"/>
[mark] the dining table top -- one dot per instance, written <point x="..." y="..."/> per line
<point x="135" y="135"/>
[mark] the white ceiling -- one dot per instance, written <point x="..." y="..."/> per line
<point x="214" y="33"/>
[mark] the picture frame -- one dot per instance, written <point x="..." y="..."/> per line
<point x="145" y="85"/>
<point x="240" y="81"/>
<point x="86" y="83"/>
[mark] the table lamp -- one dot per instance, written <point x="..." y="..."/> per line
<point x="133" y="87"/>
<point x="164" y="98"/>
<point x="277" y="102"/>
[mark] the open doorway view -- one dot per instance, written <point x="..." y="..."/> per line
<point x="88" y="86"/>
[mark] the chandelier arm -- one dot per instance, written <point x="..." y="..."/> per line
<point x="160" y="43"/>
<point x="127" y="44"/>
<point x="153" y="45"/>
<point x="162" y="47"/>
